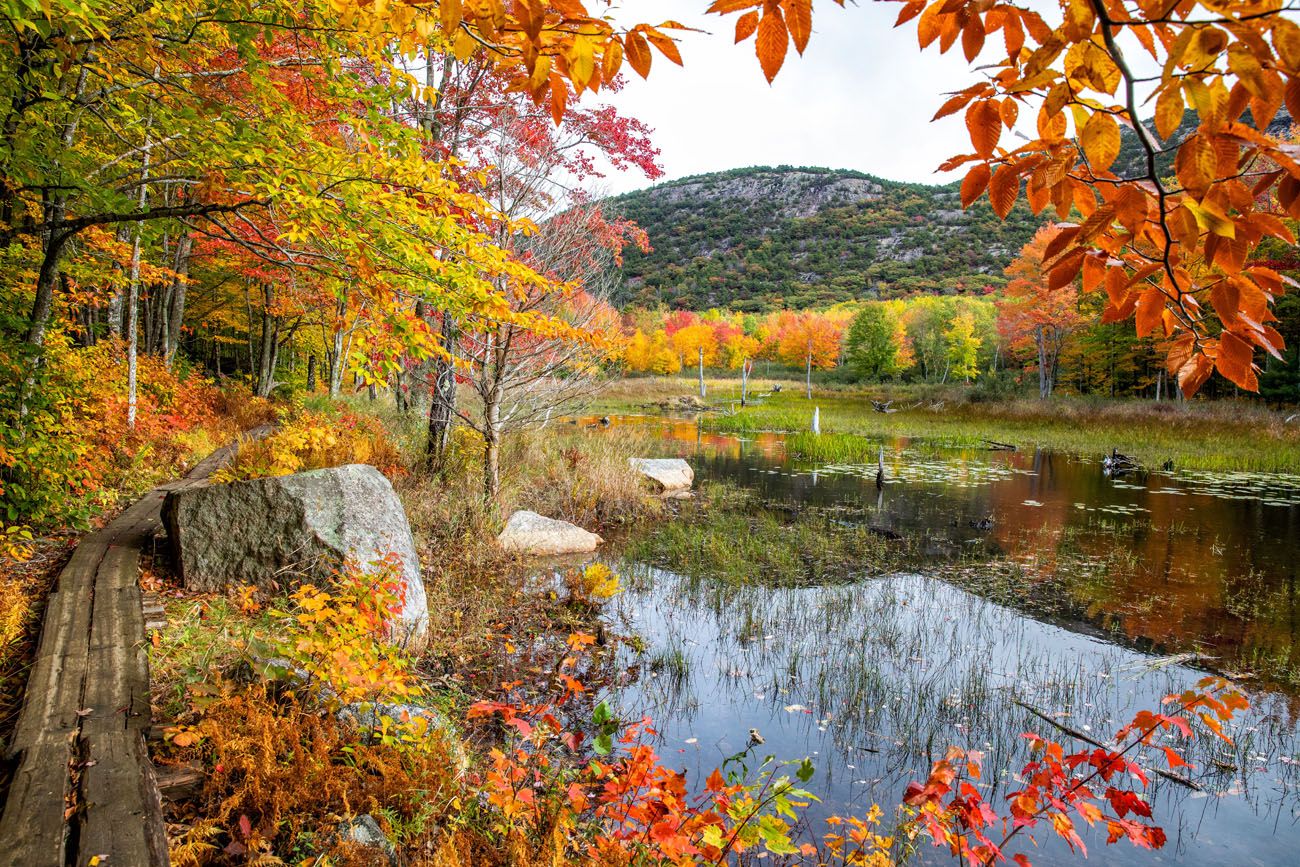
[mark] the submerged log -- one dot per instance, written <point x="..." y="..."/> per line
<point x="1078" y="735"/>
<point x="995" y="446"/>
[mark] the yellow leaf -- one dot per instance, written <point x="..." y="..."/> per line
<point x="1169" y="111"/>
<point x="1101" y="141"/>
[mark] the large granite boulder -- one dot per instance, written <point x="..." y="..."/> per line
<point x="665" y="474"/>
<point x="531" y="533"/>
<point x="303" y="527"/>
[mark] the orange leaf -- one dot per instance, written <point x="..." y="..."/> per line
<point x="798" y="19"/>
<point x="984" y="122"/>
<point x="667" y="47"/>
<point x="638" y="53"/>
<point x="1004" y="188"/>
<point x="1196" y="163"/>
<point x="746" y="25"/>
<point x="770" y="46"/>
<point x="1169" y="111"/>
<point x="1235" y="362"/>
<point x="1150" y="304"/>
<point x="975" y="183"/>
<point x="1100" y="140"/>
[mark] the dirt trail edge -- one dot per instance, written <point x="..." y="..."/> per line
<point x="84" y="787"/>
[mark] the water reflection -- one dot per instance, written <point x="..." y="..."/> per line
<point x="874" y="678"/>
<point x="1170" y="562"/>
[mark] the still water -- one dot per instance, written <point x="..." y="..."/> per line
<point x="1103" y="582"/>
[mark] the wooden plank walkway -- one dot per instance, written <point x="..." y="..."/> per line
<point x="84" y="785"/>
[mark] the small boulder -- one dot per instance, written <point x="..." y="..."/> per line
<point x="531" y="533"/>
<point x="364" y="831"/>
<point x="306" y="524"/>
<point x="666" y="474"/>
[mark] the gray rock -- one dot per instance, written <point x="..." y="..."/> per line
<point x="668" y="474"/>
<point x="531" y="533"/>
<point x="307" y="524"/>
<point x="365" y="831"/>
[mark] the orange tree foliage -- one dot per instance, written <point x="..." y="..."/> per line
<point x="1173" y="253"/>
<point x="1035" y="313"/>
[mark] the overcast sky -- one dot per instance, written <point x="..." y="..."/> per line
<point x="860" y="98"/>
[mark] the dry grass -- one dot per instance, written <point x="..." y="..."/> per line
<point x="477" y="593"/>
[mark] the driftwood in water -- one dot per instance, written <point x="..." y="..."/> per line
<point x="885" y="406"/>
<point x="995" y="446"/>
<point x="1116" y="464"/>
<point x="1078" y="735"/>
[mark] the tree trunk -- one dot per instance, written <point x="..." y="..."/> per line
<point x="176" y="309"/>
<point x="745" y="367"/>
<point x="269" y="349"/>
<point x="133" y="290"/>
<point x="808" y="375"/>
<point x="491" y="465"/>
<point x="132" y="328"/>
<point x="1044" y="371"/>
<point x="311" y="373"/>
<point x="442" y="399"/>
<point x="701" y="368"/>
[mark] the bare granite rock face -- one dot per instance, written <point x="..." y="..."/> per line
<point x="531" y="533"/>
<point x="298" y="527"/>
<point x="667" y="475"/>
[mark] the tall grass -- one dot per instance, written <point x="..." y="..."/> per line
<point x="728" y="535"/>
<point x="1198" y="434"/>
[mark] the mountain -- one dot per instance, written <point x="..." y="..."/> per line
<point x="761" y="238"/>
<point x="764" y="238"/>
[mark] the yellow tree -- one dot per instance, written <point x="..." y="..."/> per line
<point x="698" y="341"/>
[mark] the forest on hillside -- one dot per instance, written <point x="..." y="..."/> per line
<point x="760" y="239"/>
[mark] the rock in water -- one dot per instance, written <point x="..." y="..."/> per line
<point x="531" y="533"/>
<point x="306" y="524"/>
<point x="669" y="474"/>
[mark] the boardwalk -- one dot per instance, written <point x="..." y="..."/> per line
<point x="84" y="785"/>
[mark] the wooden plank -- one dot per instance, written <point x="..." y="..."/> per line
<point x="53" y="694"/>
<point x="122" y="818"/>
<point x="32" y="828"/>
<point x="117" y="684"/>
<point x="87" y="706"/>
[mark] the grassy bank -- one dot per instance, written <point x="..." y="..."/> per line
<point x="1202" y="434"/>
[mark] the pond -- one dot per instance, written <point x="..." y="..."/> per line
<point x="1042" y="584"/>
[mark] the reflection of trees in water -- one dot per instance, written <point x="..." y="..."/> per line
<point x="1166" y="571"/>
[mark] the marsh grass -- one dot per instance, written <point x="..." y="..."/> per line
<point x="729" y="535"/>
<point x="895" y="668"/>
<point x="1198" y="434"/>
<point x="478" y="593"/>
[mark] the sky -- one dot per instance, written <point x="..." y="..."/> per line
<point x="861" y="97"/>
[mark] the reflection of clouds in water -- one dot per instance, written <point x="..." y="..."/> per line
<point x="877" y="678"/>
